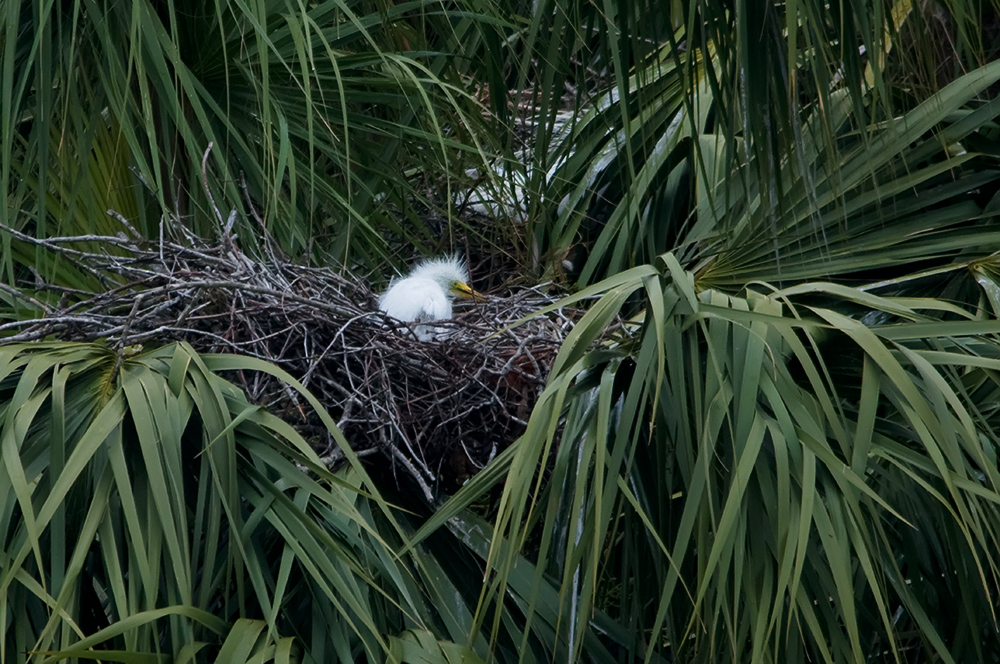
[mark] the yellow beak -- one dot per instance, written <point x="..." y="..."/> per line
<point x="465" y="290"/>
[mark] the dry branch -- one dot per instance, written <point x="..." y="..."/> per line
<point x="438" y="410"/>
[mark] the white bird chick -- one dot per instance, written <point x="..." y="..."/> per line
<point x="426" y="294"/>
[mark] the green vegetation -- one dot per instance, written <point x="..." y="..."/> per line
<point x="789" y="454"/>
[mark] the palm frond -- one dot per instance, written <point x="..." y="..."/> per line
<point x="768" y="469"/>
<point x="148" y="509"/>
<point x="321" y="119"/>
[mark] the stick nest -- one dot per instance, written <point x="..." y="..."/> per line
<point x="438" y="410"/>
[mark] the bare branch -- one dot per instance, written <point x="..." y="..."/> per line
<point x="436" y="411"/>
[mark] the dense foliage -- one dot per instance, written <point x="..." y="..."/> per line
<point x="788" y="453"/>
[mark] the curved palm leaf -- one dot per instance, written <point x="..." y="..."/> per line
<point x="792" y="472"/>
<point x="781" y="482"/>
<point x="148" y="512"/>
<point x="775" y="114"/>
<point x="320" y="116"/>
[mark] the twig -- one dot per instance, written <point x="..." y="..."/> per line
<point x="417" y="403"/>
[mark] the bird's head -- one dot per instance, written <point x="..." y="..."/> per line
<point x="450" y="272"/>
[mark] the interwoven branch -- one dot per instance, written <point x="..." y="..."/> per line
<point x="439" y="410"/>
